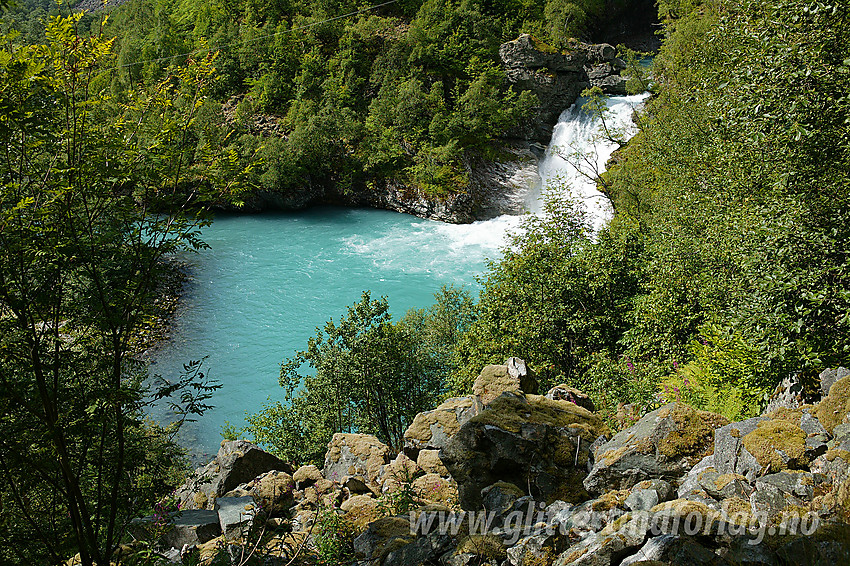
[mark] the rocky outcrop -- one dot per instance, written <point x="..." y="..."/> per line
<point x="557" y="78"/>
<point x="497" y="185"/>
<point x="662" y="445"/>
<point x="512" y="481"/>
<point x="530" y="441"/>
<point x="237" y="462"/>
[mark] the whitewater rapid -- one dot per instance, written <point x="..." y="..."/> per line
<point x="577" y="152"/>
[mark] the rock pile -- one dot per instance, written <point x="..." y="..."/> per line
<point x="506" y="477"/>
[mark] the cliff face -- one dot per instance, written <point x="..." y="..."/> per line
<point x="557" y="78"/>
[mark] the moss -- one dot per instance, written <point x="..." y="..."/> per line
<point x="486" y="546"/>
<point x="694" y="433"/>
<point x="725" y="479"/>
<point x="834" y="453"/>
<point x="541" y="46"/>
<point x="833" y="409"/>
<point x="493" y="381"/>
<point x="611" y="456"/>
<point x="543" y="557"/>
<point x="570" y="489"/>
<point x="435" y="489"/>
<point x="770" y="436"/>
<point x="455" y="403"/>
<point x="616" y="525"/>
<point x="200" y="498"/>
<point x="510" y="412"/>
<point x="565" y="451"/>
<point x="574" y="555"/>
<point x="737" y="506"/>
<point x="614" y="498"/>
<point x="792" y="416"/>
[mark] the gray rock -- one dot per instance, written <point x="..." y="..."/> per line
<point x="652" y="448"/>
<point x="653" y="549"/>
<point x="564" y="392"/>
<point x="191" y="527"/>
<point x="500" y="497"/>
<point x="829" y="376"/>
<point x="642" y="499"/>
<point x="601" y="549"/>
<point x="236" y="463"/>
<point x="431" y="430"/>
<point x="236" y="515"/>
<point x="528" y="441"/>
<point x="422" y="550"/>
<point x="612" y="85"/>
<point x="730" y="456"/>
<point x="691" y="481"/>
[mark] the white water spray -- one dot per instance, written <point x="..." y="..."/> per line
<point x="579" y="150"/>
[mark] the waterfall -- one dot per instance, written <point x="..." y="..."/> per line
<point x="578" y="152"/>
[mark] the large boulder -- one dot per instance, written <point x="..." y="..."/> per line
<point x="494" y="380"/>
<point x="664" y="444"/>
<point x="359" y="455"/>
<point x="237" y="462"/>
<point x="527" y="440"/>
<point x="782" y="440"/>
<point x="564" y="392"/>
<point x="431" y="430"/>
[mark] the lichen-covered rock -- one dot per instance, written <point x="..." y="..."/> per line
<point x="236" y="463"/>
<point x="537" y="549"/>
<point x="647" y="494"/>
<point x="791" y="393"/>
<point x="730" y="455"/>
<point x="494" y="380"/>
<point x="360" y="455"/>
<point x="191" y="527"/>
<point x="664" y="444"/>
<point x="829" y="376"/>
<point x="603" y="548"/>
<point x="500" y="497"/>
<point x="360" y="510"/>
<point x="402" y="469"/>
<point x="431" y="430"/>
<point x="305" y="476"/>
<point x="382" y="537"/>
<point x="429" y="461"/>
<point x="566" y="393"/>
<point x="526" y="440"/>
<point x="272" y="491"/>
<point x="433" y="488"/>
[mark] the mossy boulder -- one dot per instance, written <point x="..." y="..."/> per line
<point x="834" y="409"/>
<point x="305" y="476"/>
<point x="237" y="462"/>
<point x="431" y="430"/>
<point x="432" y="488"/>
<point x="526" y="440"/>
<point x="564" y="392"/>
<point x="664" y="444"/>
<point x="777" y="445"/>
<point x="360" y="510"/>
<point x="494" y="380"/>
<point x="359" y="455"/>
<point x="429" y="461"/>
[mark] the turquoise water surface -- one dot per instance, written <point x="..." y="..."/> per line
<point x="269" y="280"/>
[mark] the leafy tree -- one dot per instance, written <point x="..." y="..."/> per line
<point x="366" y="374"/>
<point x="81" y="259"/>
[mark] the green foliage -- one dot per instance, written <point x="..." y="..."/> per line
<point x="366" y="374"/>
<point x="725" y="375"/>
<point x="333" y="537"/>
<point x="79" y="274"/>
<point x="556" y="298"/>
